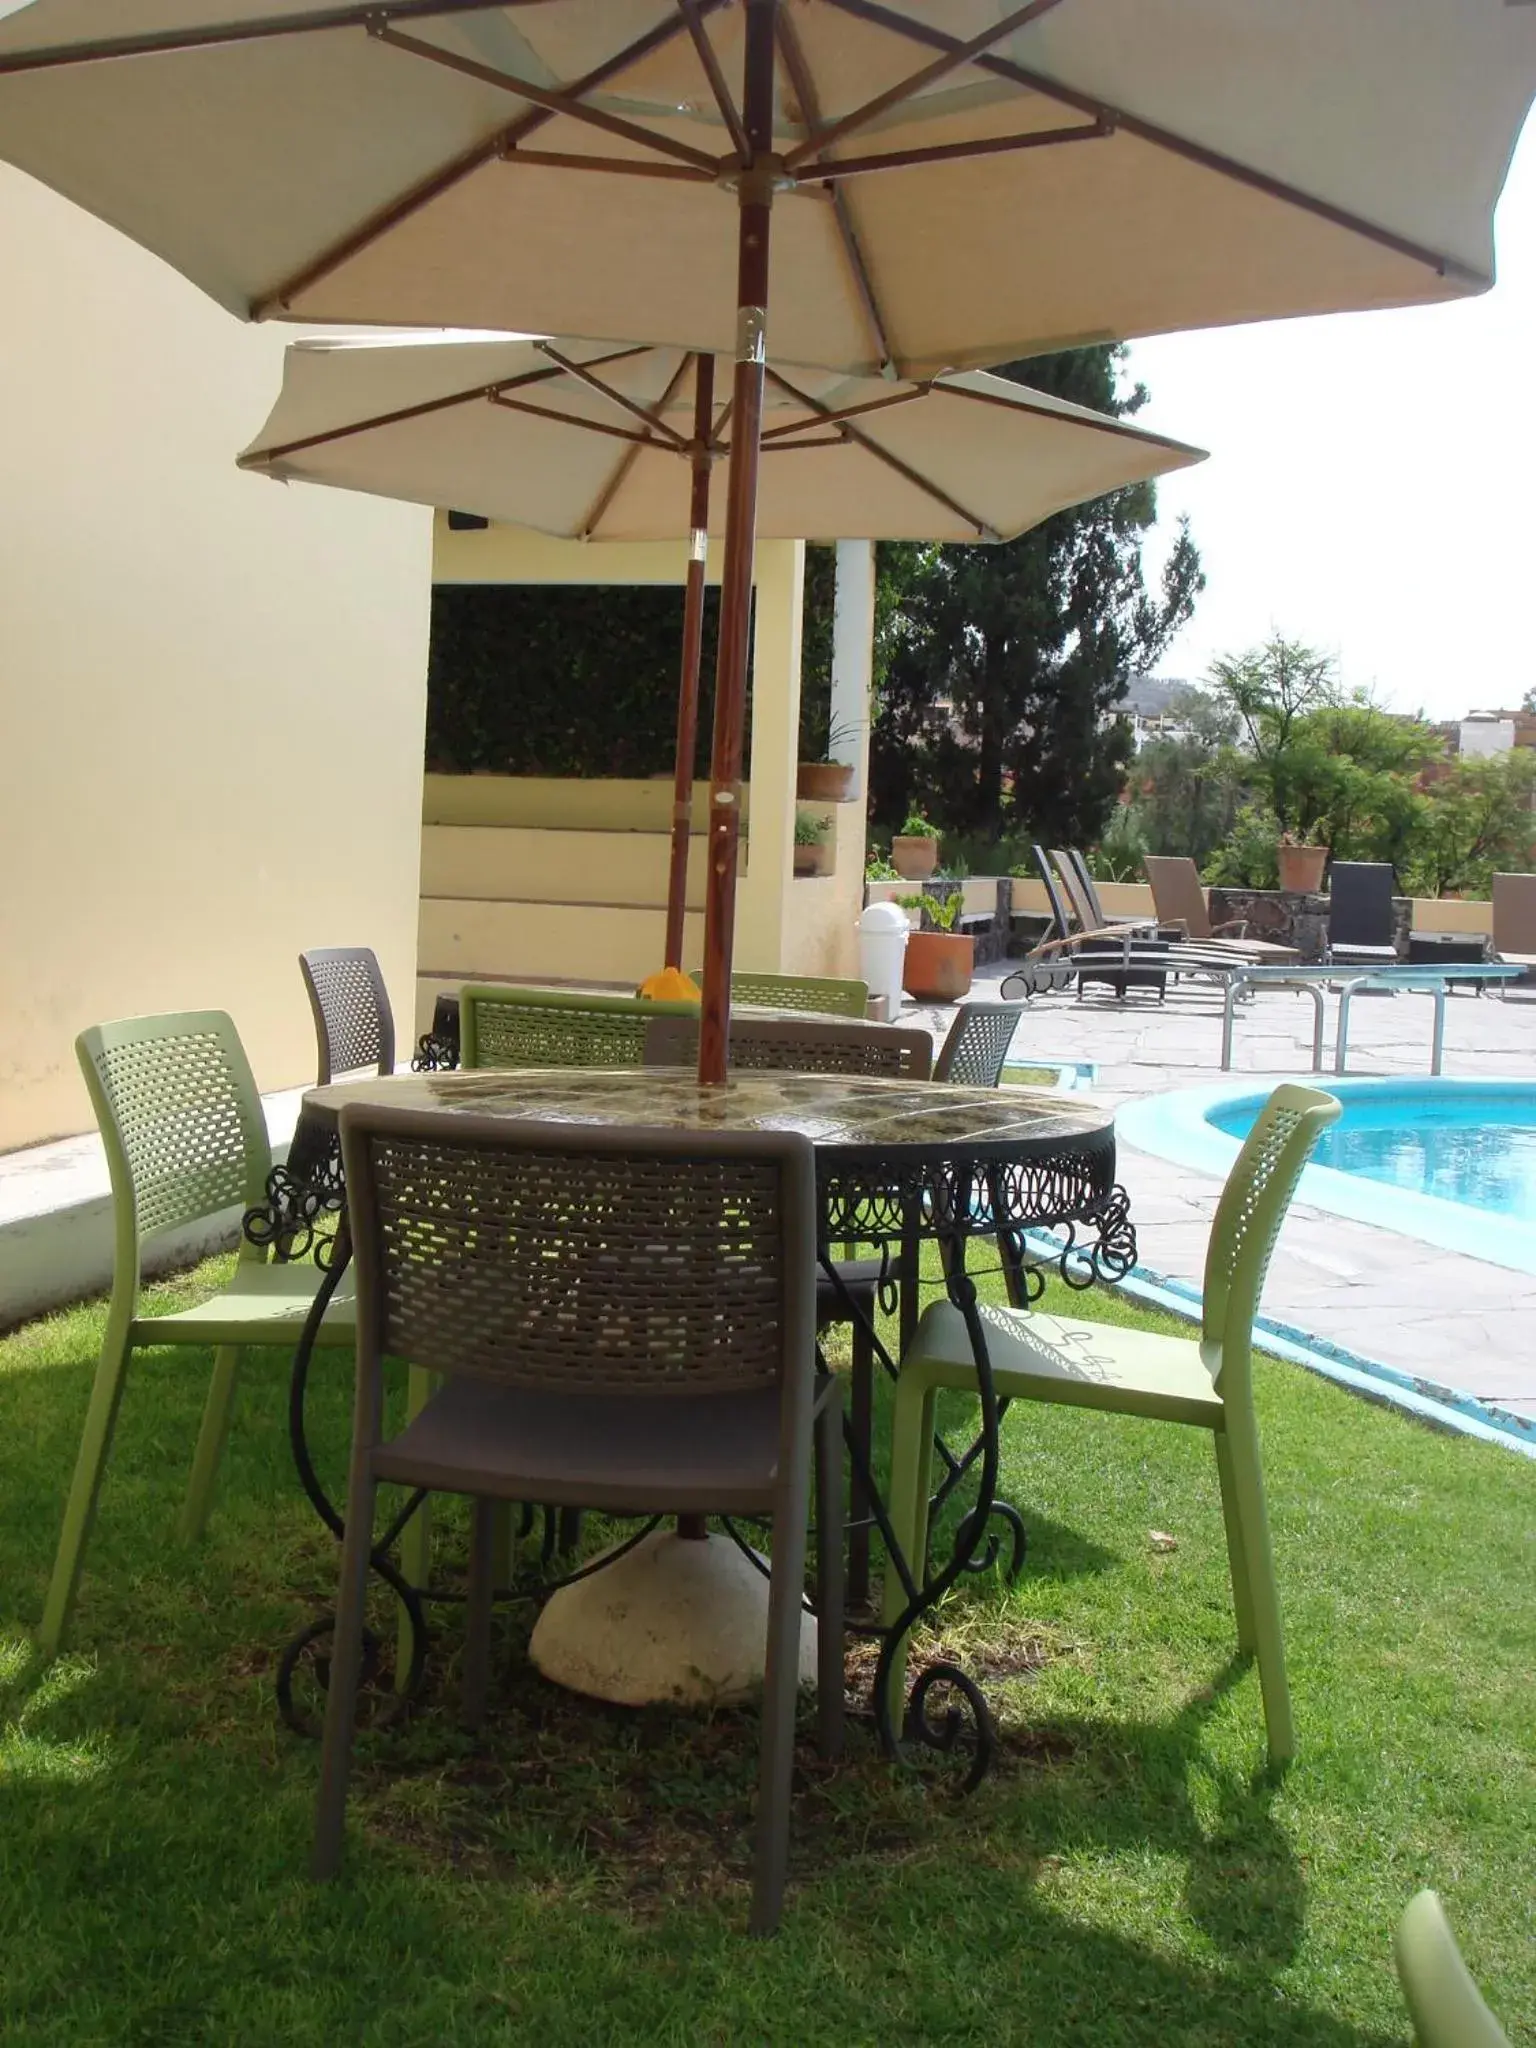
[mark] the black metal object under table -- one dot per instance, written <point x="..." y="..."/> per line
<point x="897" y="1163"/>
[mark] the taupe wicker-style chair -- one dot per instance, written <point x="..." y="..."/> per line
<point x="625" y="1321"/>
<point x="354" y="1025"/>
<point x="975" y="1051"/>
<point x="799" y="1045"/>
<point x="813" y="1046"/>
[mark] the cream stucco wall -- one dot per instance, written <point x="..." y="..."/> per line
<point x="212" y="687"/>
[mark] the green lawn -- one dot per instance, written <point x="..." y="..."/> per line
<point x="1128" y="1874"/>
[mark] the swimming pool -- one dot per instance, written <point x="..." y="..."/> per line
<point x="1479" y="1149"/>
<point x="1450" y="1162"/>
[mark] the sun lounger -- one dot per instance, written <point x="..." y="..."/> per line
<point x="1514" y="921"/>
<point x="1180" y="903"/>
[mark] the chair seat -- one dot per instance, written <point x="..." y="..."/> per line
<point x="1059" y="1358"/>
<point x="686" y="1453"/>
<point x="263" y="1304"/>
<point x="1362" y="956"/>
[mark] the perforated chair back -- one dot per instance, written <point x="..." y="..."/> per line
<point x="1177" y="895"/>
<point x="1360" y="903"/>
<point x="1248" y="1219"/>
<point x="795" y="1045"/>
<point x="819" y="994"/>
<point x="354" y="1025"/>
<point x="555" y="1027"/>
<point x="180" y="1120"/>
<point x="584" y="1262"/>
<point x="1514" y="914"/>
<point x="975" y="1050"/>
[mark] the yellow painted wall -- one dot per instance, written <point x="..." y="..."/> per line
<point x="212" y="687"/>
<point x="544" y="879"/>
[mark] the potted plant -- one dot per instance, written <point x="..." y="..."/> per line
<point x="939" y="959"/>
<point x="829" y="781"/>
<point x="1301" y="865"/>
<point x="811" y="848"/>
<point x="915" y="849"/>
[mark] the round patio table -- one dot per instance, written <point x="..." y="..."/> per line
<point x="897" y="1162"/>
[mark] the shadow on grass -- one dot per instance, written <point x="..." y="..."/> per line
<point x="589" y="1865"/>
<point x="574" y="1863"/>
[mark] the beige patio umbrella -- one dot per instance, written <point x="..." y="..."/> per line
<point x="585" y="441"/>
<point x="952" y="181"/>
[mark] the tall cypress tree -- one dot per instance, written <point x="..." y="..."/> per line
<point x="1005" y="660"/>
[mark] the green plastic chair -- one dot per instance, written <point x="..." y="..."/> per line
<point x="185" y="1140"/>
<point x="1207" y="1383"/>
<point x="1445" y="2005"/>
<point x="818" y="995"/>
<point x="555" y="1027"/>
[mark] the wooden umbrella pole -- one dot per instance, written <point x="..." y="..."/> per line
<point x="755" y="198"/>
<point x="701" y="459"/>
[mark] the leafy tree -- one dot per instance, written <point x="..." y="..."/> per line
<point x="1479" y="817"/>
<point x="1269" y="689"/>
<point x="1006" y="662"/>
<point x="1184" y="786"/>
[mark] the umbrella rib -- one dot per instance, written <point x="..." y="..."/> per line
<point x="584" y="375"/>
<point x="1166" y="139"/>
<point x="570" y="419"/>
<point x="831" y="417"/>
<point x="955" y="55"/>
<point x="259" y="456"/>
<point x="729" y="112"/>
<point x="902" y="469"/>
<point x="1100" y="423"/>
<point x="805" y="90"/>
<point x="832" y="168"/>
<point x="263" y="28"/>
<point x="628" y="459"/>
<point x="410" y="202"/>
<point x="555" y="103"/>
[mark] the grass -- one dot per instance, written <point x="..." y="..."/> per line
<point x="1129" y="1874"/>
<point x="1031" y="1077"/>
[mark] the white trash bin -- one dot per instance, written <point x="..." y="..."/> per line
<point x="883" y="930"/>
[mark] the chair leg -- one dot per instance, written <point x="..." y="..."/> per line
<point x="416" y="1542"/>
<point x="85" y="1487"/>
<point x="484" y="1515"/>
<point x="863" y="1435"/>
<point x="211" y="1439"/>
<point x="346" y="1670"/>
<point x="911" y="1469"/>
<point x="829" y="1575"/>
<point x="781" y="1685"/>
<point x="1263" y="1592"/>
<point x="1237" y="1556"/>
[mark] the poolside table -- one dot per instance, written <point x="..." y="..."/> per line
<point x="896" y="1162"/>
<point x="1347" y="982"/>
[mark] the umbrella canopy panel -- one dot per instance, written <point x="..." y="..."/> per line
<point x="577" y="439"/>
<point x="960" y="182"/>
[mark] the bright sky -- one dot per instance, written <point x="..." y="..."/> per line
<point x="1372" y="483"/>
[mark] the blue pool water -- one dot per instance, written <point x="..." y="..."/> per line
<point x="1471" y="1145"/>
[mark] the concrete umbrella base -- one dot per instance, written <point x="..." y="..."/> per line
<point x="676" y="1619"/>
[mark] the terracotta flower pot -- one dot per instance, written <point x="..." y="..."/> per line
<point x="938" y="966"/>
<point x="915" y="858"/>
<point x="812" y="860"/>
<point x="824" y="782"/>
<point x="1301" y="869"/>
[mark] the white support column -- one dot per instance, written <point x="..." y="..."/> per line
<point x="853" y="637"/>
<point x="763" y="893"/>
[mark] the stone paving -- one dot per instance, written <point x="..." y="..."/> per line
<point x="1460" y="1322"/>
